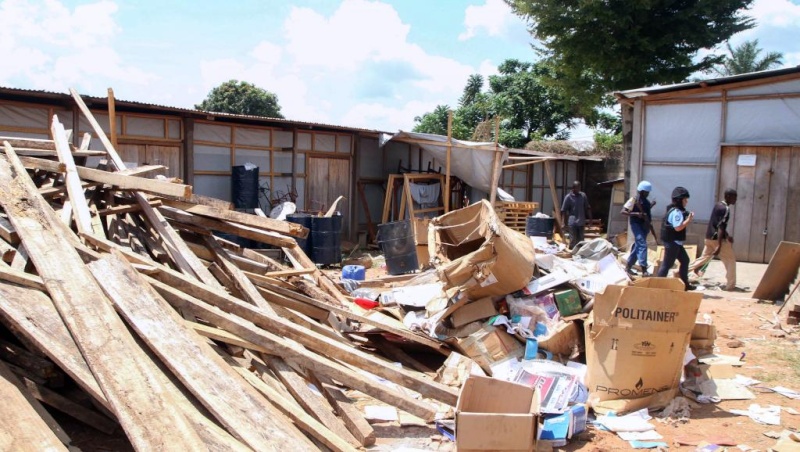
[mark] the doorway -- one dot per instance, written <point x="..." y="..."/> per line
<point x="767" y="179"/>
<point x="326" y="180"/>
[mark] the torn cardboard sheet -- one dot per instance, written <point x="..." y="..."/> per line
<point x="725" y="389"/>
<point x="638" y="421"/>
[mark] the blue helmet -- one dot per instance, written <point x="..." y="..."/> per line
<point x="644" y="186"/>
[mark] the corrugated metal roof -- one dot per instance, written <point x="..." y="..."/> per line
<point x="642" y="92"/>
<point x="157" y="108"/>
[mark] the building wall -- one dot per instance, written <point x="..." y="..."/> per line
<point x="677" y="139"/>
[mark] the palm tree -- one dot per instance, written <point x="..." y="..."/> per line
<point x="471" y="90"/>
<point x="745" y="58"/>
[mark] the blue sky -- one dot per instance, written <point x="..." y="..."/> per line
<point x="373" y="64"/>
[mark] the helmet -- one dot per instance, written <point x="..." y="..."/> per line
<point x="680" y="193"/>
<point x="644" y="186"/>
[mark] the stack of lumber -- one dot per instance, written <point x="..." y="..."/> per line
<point x="514" y="214"/>
<point x="115" y="282"/>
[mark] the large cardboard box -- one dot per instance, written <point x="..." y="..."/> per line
<point x="470" y="312"/>
<point x="496" y="415"/>
<point x="636" y="339"/>
<point x="473" y="249"/>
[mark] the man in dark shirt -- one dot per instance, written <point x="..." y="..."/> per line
<point x="718" y="241"/>
<point x="575" y="209"/>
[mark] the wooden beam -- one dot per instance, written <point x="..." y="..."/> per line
<point x="496" y="162"/>
<point x="176" y="248"/>
<point x="205" y="374"/>
<point x="135" y="396"/>
<point x="204" y="223"/>
<point x="226" y="337"/>
<point x="124" y="182"/>
<point x="112" y="117"/>
<point x="556" y="203"/>
<point x="352" y="417"/>
<point x="79" y="412"/>
<point x="314" y="405"/>
<point x="322" y="280"/>
<point x="294" y="412"/>
<point x="447" y="162"/>
<point x="77" y="198"/>
<point x="279" y="346"/>
<point x="179" y="286"/>
<point x="254" y="221"/>
<point x="21" y="427"/>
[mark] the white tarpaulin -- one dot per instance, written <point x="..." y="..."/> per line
<point x="469" y="161"/>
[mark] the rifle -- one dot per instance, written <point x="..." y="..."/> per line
<point x="649" y="220"/>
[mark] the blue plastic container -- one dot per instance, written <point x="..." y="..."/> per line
<point x="356" y="272"/>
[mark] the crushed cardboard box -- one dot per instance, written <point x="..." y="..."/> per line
<point x="636" y="339"/>
<point x="475" y="250"/>
<point x="489" y="345"/>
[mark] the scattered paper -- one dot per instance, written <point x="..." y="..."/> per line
<point x="745" y="381"/>
<point x="791" y="411"/>
<point x="721" y="359"/>
<point x="633" y="422"/>
<point x="650" y="435"/>
<point x="725" y="389"/>
<point x="417" y="296"/>
<point x="380" y="413"/>
<point x="770" y="415"/>
<point x="786" y="392"/>
<point x="647" y="444"/>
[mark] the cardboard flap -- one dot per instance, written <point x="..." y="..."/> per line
<point x="660" y="283"/>
<point x="489" y="395"/>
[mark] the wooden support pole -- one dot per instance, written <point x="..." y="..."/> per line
<point x="556" y="205"/>
<point x="447" y="163"/>
<point x="112" y="117"/>
<point x="496" y="162"/>
<point x="77" y="199"/>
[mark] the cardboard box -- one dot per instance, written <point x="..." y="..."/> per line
<point x="636" y="338"/>
<point x="566" y="340"/>
<point x="474" y="250"/>
<point x="470" y="312"/>
<point x="568" y="302"/>
<point x="496" y="415"/>
<point x="703" y="336"/>
<point x="490" y="345"/>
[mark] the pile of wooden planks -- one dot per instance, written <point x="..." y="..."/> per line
<point x="515" y="214"/>
<point x="116" y="282"/>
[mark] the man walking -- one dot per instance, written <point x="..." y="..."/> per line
<point x="637" y="209"/>
<point x="718" y="242"/>
<point x="576" y="209"/>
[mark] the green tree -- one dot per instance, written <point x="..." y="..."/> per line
<point x="595" y="47"/>
<point x="530" y="106"/>
<point x="745" y="58"/>
<point x="241" y="98"/>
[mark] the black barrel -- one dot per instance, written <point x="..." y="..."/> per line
<point x="539" y="227"/>
<point x="244" y="187"/>
<point x="304" y="220"/>
<point x="396" y="240"/>
<point x="326" y="239"/>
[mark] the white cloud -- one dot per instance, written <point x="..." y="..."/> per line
<point x="493" y="17"/>
<point x="362" y="49"/>
<point x="50" y="46"/>
<point x="776" y="13"/>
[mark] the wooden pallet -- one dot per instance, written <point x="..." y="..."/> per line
<point x="515" y="214"/>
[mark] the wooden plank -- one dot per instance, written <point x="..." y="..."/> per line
<point x="180" y="254"/>
<point x="34" y="365"/>
<point x="16" y="276"/>
<point x="221" y="335"/>
<point x="241" y="218"/>
<point x="77" y="198"/>
<point x="21" y="427"/>
<point x="792" y="229"/>
<point x="279" y="346"/>
<point x="322" y="280"/>
<point x="316" y="406"/>
<point x="352" y="417"/>
<point x="185" y="218"/>
<point x="743" y="220"/>
<point x="7" y="232"/>
<point x="758" y="227"/>
<point x="180" y="286"/>
<point x="123" y="182"/>
<point x="144" y="171"/>
<point x="780" y="273"/>
<point x="556" y="202"/>
<point x="240" y="281"/>
<point x="135" y="396"/>
<point x="21" y="258"/>
<point x="30" y="314"/>
<point x="273" y="293"/>
<point x="294" y="412"/>
<point x="67" y="406"/>
<point x="226" y="396"/>
<point x="778" y="199"/>
<point x="112" y="117"/>
<point x="7" y="252"/>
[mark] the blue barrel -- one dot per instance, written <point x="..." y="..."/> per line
<point x="539" y="227"/>
<point x="326" y="239"/>
<point x="304" y="220"/>
<point x="396" y="240"/>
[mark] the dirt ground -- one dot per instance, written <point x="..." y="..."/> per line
<point x="772" y="360"/>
